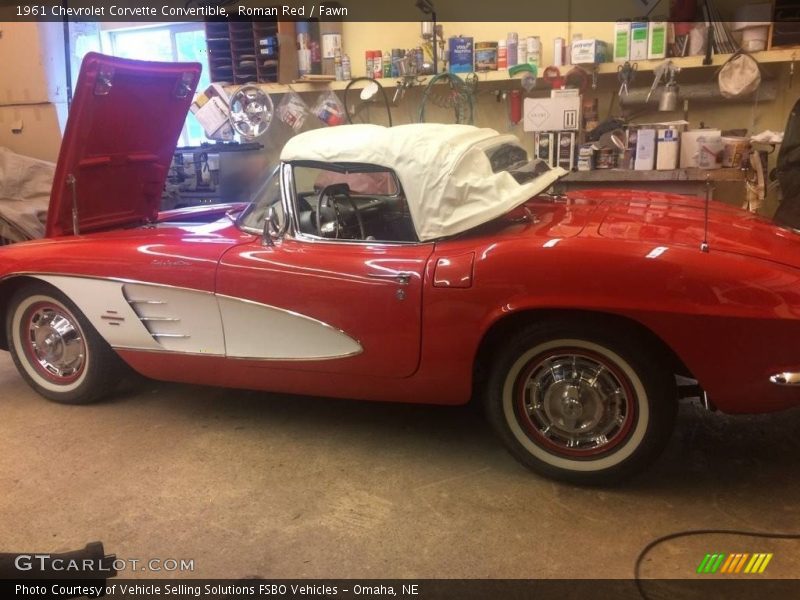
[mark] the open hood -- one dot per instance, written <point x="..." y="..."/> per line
<point x="124" y="123"/>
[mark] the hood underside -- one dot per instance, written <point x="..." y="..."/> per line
<point x="124" y="123"/>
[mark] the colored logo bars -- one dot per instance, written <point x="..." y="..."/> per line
<point x="734" y="563"/>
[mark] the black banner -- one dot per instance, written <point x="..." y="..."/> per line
<point x="359" y="10"/>
<point x="744" y="587"/>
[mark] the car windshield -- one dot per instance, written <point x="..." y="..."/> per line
<point x="269" y="194"/>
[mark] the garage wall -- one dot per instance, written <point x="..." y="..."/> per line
<point x="33" y="94"/>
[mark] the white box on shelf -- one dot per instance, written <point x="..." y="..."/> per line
<point x="552" y="114"/>
<point x="645" y="150"/>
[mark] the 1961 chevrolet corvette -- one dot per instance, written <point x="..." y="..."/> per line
<point x="420" y="263"/>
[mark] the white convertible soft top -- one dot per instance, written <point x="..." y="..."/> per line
<point x="444" y="169"/>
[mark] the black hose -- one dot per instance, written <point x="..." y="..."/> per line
<point x="383" y="93"/>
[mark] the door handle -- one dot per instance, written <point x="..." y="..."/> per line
<point x="401" y="278"/>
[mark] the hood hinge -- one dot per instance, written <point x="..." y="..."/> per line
<point x="72" y="183"/>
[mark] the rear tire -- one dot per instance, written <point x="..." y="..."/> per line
<point x="55" y="348"/>
<point x="581" y="403"/>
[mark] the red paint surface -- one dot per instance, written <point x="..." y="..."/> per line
<point x="731" y="315"/>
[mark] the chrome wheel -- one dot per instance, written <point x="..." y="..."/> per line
<point x="575" y="402"/>
<point x="53" y="342"/>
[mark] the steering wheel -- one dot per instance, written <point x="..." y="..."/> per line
<point x="328" y="199"/>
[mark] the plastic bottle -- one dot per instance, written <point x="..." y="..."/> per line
<point x="347" y="73"/>
<point x="337" y="65"/>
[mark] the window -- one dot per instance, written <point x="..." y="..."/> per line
<point x="252" y="219"/>
<point x="177" y="42"/>
<point x="168" y="42"/>
<point x="351" y="202"/>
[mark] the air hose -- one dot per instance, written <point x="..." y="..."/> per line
<point x="461" y="97"/>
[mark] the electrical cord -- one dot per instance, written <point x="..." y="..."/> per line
<point x="380" y="88"/>
<point x="695" y="532"/>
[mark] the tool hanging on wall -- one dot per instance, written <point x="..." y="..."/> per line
<point x="669" y="96"/>
<point x="626" y="73"/>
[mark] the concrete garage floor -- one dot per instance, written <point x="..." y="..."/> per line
<point x="252" y="484"/>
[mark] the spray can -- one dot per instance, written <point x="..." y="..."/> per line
<point x="559" y="51"/>
<point x="369" y="63"/>
<point x="534" y="50"/>
<point x="387" y="64"/>
<point x="511" y="49"/>
<point x="377" y="64"/>
<point x="502" y="55"/>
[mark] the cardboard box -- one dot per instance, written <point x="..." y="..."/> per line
<point x="645" y="150"/>
<point x="552" y="114"/>
<point x="589" y="52"/>
<point x="566" y="149"/>
<point x="667" y="149"/>
<point x="657" y="40"/>
<point x="639" y="40"/>
<point x="544" y="143"/>
<point x="690" y="148"/>
<point x="622" y="41"/>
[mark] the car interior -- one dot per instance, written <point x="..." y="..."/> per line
<point x="366" y="204"/>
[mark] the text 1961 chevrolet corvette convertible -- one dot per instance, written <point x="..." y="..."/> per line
<point x="419" y="263"/>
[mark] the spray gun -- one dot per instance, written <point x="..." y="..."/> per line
<point x="669" y="97"/>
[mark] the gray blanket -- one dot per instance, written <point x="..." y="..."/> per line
<point x="24" y="195"/>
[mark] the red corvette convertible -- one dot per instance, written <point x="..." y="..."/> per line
<point x="420" y="263"/>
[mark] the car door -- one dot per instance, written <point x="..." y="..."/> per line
<point x="324" y="305"/>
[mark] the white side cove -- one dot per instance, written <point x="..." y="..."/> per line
<point x="142" y="316"/>
<point x="254" y="330"/>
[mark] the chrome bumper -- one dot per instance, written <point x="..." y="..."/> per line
<point x="787" y="378"/>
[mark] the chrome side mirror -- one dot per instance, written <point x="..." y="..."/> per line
<point x="273" y="228"/>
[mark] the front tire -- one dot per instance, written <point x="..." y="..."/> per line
<point x="581" y="403"/>
<point x="56" y="349"/>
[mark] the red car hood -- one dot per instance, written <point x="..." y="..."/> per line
<point x="671" y="219"/>
<point x="123" y="127"/>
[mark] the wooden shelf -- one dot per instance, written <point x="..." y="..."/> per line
<point x="780" y="55"/>
<point x="629" y="176"/>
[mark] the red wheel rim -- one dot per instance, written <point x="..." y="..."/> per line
<point x="575" y="402"/>
<point x="53" y="342"/>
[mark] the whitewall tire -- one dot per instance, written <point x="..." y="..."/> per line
<point x="580" y="403"/>
<point x="55" y="348"/>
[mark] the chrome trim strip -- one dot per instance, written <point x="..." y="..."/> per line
<point x="787" y="378"/>
<point x="149" y="301"/>
<point x="169" y="319"/>
<point x="170" y="335"/>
